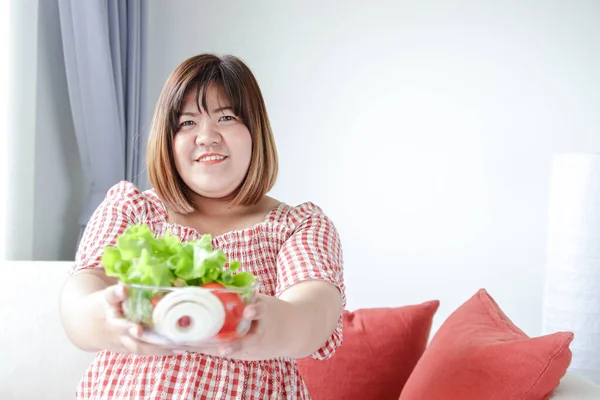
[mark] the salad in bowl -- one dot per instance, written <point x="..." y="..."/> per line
<point x="184" y="293"/>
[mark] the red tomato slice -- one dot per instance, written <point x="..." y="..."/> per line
<point x="234" y="309"/>
<point x="155" y="300"/>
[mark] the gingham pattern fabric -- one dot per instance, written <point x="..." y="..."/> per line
<point x="291" y="245"/>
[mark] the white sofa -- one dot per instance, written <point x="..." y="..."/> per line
<point x="38" y="362"/>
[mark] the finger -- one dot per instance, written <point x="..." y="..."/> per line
<point x="135" y="332"/>
<point x="115" y="294"/>
<point x="132" y="345"/>
<point x="118" y="327"/>
<point x="229" y="350"/>
<point x="254" y="311"/>
<point x="249" y="340"/>
<point x="115" y="311"/>
<point x="122" y="325"/>
<point x="138" y="347"/>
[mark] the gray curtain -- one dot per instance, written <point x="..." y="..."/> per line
<point x="102" y="42"/>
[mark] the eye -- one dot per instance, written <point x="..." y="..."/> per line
<point x="186" y="123"/>
<point x="226" y="118"/>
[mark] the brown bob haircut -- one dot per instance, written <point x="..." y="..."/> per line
<point x="244" y="95"/>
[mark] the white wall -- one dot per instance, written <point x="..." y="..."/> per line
<point x="46" y="188"/>
<point x="424" y="129"/>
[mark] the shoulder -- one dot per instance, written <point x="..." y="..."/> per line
<point x="127" y="195"/>
<point x="302" y="214"/>
<point x="124" y="190"/>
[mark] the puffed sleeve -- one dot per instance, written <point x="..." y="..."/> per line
<point x="312" y="252"/>
<point x="119" y="209"/>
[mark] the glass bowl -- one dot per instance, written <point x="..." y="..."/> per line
<point x="189" y="315"/>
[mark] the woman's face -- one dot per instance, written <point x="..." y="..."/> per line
<point x="212" y="148"/>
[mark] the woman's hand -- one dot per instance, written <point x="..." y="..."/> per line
<point x="268" y="335"/>
<point x="294" y="325"/>
<point x="253" y="343"/>
<point x="116" y="333"/>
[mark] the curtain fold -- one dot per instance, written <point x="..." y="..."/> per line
<point x="102" y="51"/>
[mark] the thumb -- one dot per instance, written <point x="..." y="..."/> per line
<point x="115" y="294"/>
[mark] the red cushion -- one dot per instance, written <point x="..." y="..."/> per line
<point x="381" y="347"/>
<point x="478" y="353"/>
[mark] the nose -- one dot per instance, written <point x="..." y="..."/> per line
<point x="207" y="134"/>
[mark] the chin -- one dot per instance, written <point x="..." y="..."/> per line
<point x="214" y="194"/>
<point x="214" y="190"/>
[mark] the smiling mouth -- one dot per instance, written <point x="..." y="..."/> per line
<point x="211" y="159"/>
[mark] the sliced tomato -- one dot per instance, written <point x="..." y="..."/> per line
<point x="155" y="300"/>
<point x="234" y="310"/>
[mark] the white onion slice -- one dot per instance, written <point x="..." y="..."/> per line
<point x="205" y="311"/>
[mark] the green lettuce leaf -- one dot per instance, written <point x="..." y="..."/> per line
<point x="141" y="258"/>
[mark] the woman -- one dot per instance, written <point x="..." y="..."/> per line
<point x="211" y="160"/>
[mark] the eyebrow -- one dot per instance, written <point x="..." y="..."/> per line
<point x="188" y="114"/>
<point x="195" y="114"/>
<point x="221" y="109"/>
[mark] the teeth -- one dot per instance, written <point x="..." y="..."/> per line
<point x="211" y="158"/>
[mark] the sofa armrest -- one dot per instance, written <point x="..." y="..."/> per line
<point x="38" y="360"/>
<point x="573" y="387"/>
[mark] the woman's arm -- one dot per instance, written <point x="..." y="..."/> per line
<point x="304" y="317"/>
<point x="294" y="325"/>
<point x="307" y="314"/>
<point x="79" y="301"/>
<point x="90" y="302"/>
<point x="90" y="308"/>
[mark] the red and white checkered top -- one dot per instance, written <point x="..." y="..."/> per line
<point x="291" y="245"/>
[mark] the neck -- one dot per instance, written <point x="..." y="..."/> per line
<point x="218" y="216"/>
<point x="207" y="210"/>
<point x="215" y="208"/>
